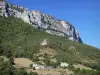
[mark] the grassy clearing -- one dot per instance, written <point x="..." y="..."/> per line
<point x="22" y="62"/>
<point x="81" y="67"/>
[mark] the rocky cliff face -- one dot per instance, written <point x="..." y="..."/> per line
<point x="41" y="21"/>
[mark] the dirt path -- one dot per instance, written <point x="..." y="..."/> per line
<point x="51" y="71"/>
<point x="81" y="67"/>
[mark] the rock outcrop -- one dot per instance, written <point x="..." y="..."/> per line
<point x="44" y="42"/>
<point x="40" y="21"/>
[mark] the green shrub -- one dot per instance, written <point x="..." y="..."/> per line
<point x="31" y="65"/>
<point x="71" y="67"/>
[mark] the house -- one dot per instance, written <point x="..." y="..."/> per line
<point x="64" y="64"/>
<point x="36" y="66"/>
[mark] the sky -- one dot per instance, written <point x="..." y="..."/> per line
<point x="83" y="14"/>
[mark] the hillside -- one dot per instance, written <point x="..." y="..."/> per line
<point x="19" y="39"/>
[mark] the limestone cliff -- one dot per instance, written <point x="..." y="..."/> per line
<point x="40" y="21"/>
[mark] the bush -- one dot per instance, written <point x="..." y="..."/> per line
<point x="47" y="62"/>
<point x="33" y="73"/>
<point x="35" y="59"/>
<point x="71" y="67"/>
<point x="31" y="65"/>
<point x="11" y="60"/>
<point x="76" y="71"/>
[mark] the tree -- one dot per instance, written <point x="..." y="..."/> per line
<point x="1" y="49"/>
<point x="31" y="65"/>
<point x="47" y="62"/>
<point x="76" y="71"/>
<point x="11" y="60"/>
<point x="70" y="67"/>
